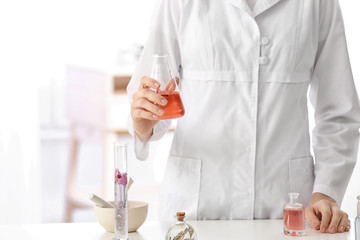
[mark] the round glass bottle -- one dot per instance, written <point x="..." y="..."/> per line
<point x="181" y="230"/>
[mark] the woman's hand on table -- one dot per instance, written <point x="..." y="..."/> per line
<point x="323" y="214"/>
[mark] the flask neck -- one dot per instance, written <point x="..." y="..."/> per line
<point x="161" y="62"/>
<point x="358" y="208"/>
<point x="161" y="67"/>
<point x="160" y="58"/>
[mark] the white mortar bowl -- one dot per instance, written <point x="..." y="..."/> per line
<point x="137" y="212"/>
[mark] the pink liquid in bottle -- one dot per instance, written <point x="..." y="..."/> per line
<point x="294" y="217"/>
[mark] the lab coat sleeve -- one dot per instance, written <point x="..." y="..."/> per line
<point x="335" y="101"/>
<point x="162" y="38"/>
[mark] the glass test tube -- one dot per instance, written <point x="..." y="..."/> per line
<point x="120" y="184"/>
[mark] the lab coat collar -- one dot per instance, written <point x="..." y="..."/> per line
<point x="242" y="4"/>
<point x="263" y="5"/>
<point x="260" y="6"/>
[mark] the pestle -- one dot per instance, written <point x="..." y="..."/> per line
<point x="101" y="202"/>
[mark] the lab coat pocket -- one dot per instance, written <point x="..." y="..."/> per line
<point x="180" y="189"/>
<point x="301" y="177"/>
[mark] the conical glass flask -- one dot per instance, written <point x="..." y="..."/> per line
<point x="169" y="87"/>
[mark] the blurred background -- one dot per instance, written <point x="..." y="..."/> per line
<point x="55" y="140"/>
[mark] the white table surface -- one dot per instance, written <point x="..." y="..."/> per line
<point x="206" y="230"/>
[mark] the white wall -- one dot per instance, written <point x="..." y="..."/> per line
<point x="37" y="39"/>
<point x="19" y="141"/>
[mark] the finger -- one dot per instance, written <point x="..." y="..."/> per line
<point x="343" y="223"/>
<point x="141" y="113"/>
<point x="151" y="96"/>
<point x="348" y="226"/>
<point x="325" y="217"/>
<point x="147" y="82"/>
<point x="148" y="106"/>
<point x="312" y="218"/>
<point x="336" y="217"/>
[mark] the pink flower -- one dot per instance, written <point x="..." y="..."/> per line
<point x="120" y="178"/>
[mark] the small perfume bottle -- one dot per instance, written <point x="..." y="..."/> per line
<point x="181" y="230"/>
<point x="294" y="216"/>
<point x="357" y="220"/>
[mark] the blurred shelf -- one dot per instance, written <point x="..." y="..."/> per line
<point x="120" y="83"/>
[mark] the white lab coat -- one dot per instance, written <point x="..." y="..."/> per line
<point x="244" y="141"/>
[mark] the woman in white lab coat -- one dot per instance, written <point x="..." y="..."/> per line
<point x="244" y="141"/>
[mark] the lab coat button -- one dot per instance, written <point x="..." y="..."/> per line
<point x="265" y="41"/>
<point x="264" y="60"/>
